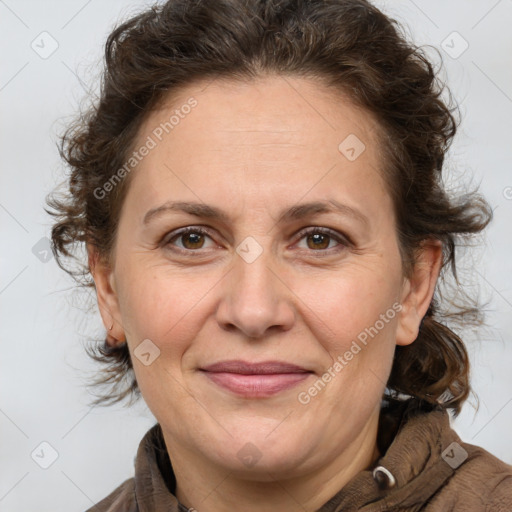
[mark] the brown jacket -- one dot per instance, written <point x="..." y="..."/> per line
<point x="425" y="467"/>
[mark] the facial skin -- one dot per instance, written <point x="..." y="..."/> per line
<point x="254" y="150"/>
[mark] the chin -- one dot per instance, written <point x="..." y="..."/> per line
<point x="259" y="453"/>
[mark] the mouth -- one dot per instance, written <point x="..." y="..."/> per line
<point x="255" y="380"/>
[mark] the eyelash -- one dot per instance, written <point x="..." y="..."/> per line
<point x="343" y="241"/>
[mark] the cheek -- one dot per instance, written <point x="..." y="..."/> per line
<point x="169" y="310"/>
<point x="161" y="306"/>
<point x="355" y="322"/>
<point x="351" y="305"/>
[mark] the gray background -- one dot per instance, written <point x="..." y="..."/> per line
<point x="43" y="365"/>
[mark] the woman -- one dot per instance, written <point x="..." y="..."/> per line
<point x="259" y="191"/>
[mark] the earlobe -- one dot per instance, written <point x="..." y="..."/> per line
<point x="108" y="303"/>
<point x="418" y="290"/>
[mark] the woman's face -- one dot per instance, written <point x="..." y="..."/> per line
<point x="263" y="338"/>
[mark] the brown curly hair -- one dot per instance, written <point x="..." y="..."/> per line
<point x="347" y="44"/>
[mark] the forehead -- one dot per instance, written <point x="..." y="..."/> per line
<point x="272" y="139"/>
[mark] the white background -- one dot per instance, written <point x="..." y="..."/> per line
<point x="43" y="364"/>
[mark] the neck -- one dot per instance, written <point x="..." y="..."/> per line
<point x="206" y="487"/>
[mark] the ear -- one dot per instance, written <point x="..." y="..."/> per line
<point x="418" y="290"/>
<point x="108" y="303"/>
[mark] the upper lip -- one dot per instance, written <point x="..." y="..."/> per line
<point x="261" y="368"/>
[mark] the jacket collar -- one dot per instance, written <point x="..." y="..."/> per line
<point x="412" y="437"/>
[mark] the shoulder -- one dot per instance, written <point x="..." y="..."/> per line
<point x="439" y="470"/>
<point x="480" y="481"/>
<point x="121" y="499"/>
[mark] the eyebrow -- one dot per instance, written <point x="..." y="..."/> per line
<point x="295" y="212"/>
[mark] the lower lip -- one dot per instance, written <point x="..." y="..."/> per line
<point x="257" y="386"/>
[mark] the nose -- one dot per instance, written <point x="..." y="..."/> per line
<point x="255" y="299"/>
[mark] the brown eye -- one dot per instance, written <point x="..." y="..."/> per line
<point x="320" y="240"/>
<point x="188" y="239"/>
<point x="192" y="240"/>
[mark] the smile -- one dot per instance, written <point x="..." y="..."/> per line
<point x="256" y="380"/>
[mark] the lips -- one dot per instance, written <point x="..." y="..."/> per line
<point x="255" y="380"/>
<point x="263" y="368"/>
